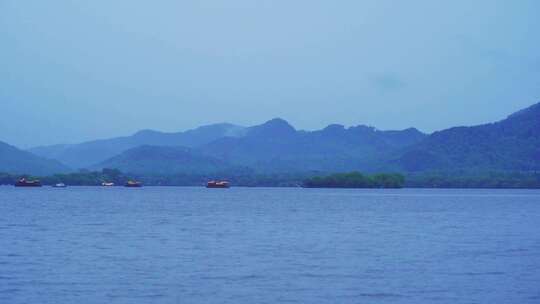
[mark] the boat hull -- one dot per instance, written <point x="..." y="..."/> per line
<point x="28" y="185"/>
<point x="218" y="185"/>
<point x="133" y="186"/>
<point x="23" y="182"/>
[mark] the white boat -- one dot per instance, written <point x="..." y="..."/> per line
<point x="105" y="184"/>
<point x="59" y="185"/>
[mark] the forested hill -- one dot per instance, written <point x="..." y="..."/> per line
<point x="13" y="160"/>
<point x="512" y="144"/>
<point x="91" y="153"/>
<point x="276" y="147"/>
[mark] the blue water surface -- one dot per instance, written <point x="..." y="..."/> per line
<point x="262" y="245"/>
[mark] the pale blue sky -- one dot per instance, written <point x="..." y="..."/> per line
<point x="77" y="70"/>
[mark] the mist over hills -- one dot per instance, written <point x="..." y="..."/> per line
<point x="512" y="144"/>
<point x="91" y="153"/>
<point x="276" y="146"/>
<point x="160" y="160"/>
<point x="13" y="160"/>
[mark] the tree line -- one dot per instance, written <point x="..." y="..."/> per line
<point x="455" y="179"/>
<point x="356" y="180"/>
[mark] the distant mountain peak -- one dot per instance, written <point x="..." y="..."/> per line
<point x="273" y="127"/>
<point x="412" y="130"/>
<point x="333" y="129"/>
<point x="224" y="128"/>
<point x="363" y="129"/>
<point x="145" y="132"/>
<point x="278" y="122"/>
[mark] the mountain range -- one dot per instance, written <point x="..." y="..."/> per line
<point x="276" y="146"/>
<point x="13" y="160"/>
<point x="512" y="144"/>
<point x="166" y="160"/>
<point x="90" y="153"/>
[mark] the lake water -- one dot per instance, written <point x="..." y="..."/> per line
<point x="242" y="245"/>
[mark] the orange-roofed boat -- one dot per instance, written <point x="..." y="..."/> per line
<point x="133" y="184"/>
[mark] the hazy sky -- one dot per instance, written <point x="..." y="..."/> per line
<point x="77" y="70"/>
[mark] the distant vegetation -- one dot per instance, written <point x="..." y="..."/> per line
<point x="167" y="161"/>
<point x="81" y="178"/>
<point x="95" y="178"/>
<point x="455" y="179"/>
<point x="509" y="145"/>
<point x="356" y="180"/>
<point x="88" y="178"/>
<point x="482" y="179"/>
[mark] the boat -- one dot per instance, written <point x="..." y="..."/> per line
<point x="133" y="184"/>
<point x="218" y="184"/>
<point x="23" y="182"/>
<point x="107" y="184"/>
<point x="59" y="185"/>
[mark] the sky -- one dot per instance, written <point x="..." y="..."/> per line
<point x="72" y="71"/>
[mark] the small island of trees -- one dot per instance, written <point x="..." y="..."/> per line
<point x="356" y="180"/>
